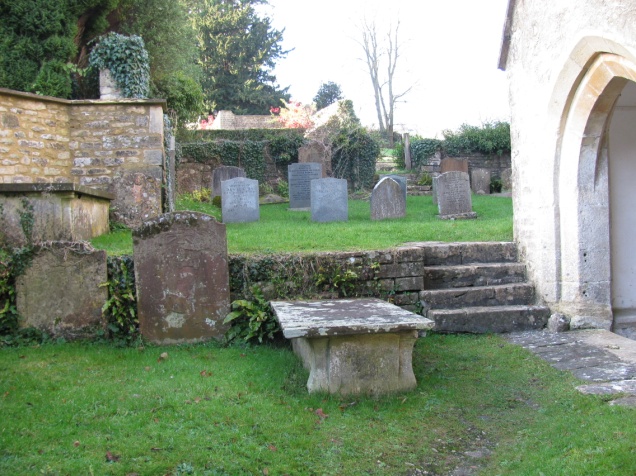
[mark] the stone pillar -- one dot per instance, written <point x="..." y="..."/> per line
<point x="107" y="86"/>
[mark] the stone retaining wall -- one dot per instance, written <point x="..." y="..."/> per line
<point x="115" y="146"/>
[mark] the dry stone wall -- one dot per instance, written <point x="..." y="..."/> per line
<point x="115" y="146"/>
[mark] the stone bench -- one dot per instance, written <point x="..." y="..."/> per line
<point x="353" y="346"/>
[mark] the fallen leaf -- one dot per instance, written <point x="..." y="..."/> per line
<point x="164" y="355"/>
<point x="245" y="355"/>
<point x="205" y="373"/>
<point x="147" y="369"/>
<point x="76" y="444"/>
<point x="155" y="449"/>
<point x="111" y="458"/>
<point x="197" y="400"/>
<point x="321" y="414"/>
<point x="272" y="448"/>
<point x="265" y="472"/>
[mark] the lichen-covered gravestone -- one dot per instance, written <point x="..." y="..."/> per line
<point x="240" y="200"/>
<point x="182" y="278"/>
<point x="329" y="200"/>
<point x="223" y="173"/>
<point x="299" y="178"/>
<point x="387" y="200"/>
<point x="61" y="292"/>
<point x="454" y="199"/>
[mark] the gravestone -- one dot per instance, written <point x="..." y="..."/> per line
<point x="434" y="189"/>
<point x="480" y="181"/>
<point x="401" y="180"/>
<point x="329" y="200"/>
<point x="223" y="173"/>
<point x="62" y="292"/>
<point x="240" y="200"/>
<point x="450" y="164"/>
<point x="454" y="199"/>
<point x="387" y="200"/>
<point x="506" y="179"/>
<point x="182" y="278"/>
<point x="316" y="152"/>
<point x="299" y="180"/>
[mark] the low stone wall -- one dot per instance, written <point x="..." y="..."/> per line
<point x="229" y="121"/>
<point x="115" y="146"/>
<point x="496" y="165"/>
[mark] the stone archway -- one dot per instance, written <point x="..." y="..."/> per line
<point x="583" y="191"/>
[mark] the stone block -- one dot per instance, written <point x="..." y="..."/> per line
<point x="61" y="292"/>
<point x="388" y="200"/>
<point x="182" y="278"/>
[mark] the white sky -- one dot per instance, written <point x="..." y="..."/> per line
<point x="449" y="54"/>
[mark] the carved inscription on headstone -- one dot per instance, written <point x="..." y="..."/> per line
<point x="454" y="199"/>
<point x="240" y="200"/>
<point x="299" y="179"/>
<point x="182" y="278"/>
<point x="329" y="200"/>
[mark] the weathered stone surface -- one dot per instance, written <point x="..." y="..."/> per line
<point x="223" y="173"/>
<point x="108" y="88"/>
<point x="451" y="164"/>
<point x="401" y="179"/>
<point x="61" y="292"/>
<point x="558" y="323"/>
<point x="299" y="177"/>
<point x="61" y="212"/>
<point x="182" y="279"/>
<point x="454" y="199"/>
<point x="329" y="200"/>
<point x="240" y="200"/>
<point x="484" y="274"/>
<point x="353" y="346"/>
<point x="491" y="319"/>
<point x="316" y="152"/>
<point x="506" y="294"/>
<point x="506" y="179"/>
<point x="136" y="191"/>
<point x="480" y="181"/>
<point x="387" y="200"/>
<point x="609" y="388"/>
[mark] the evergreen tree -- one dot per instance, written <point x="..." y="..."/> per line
<point x="327" y="94"/>
<point x="238" y="50"/>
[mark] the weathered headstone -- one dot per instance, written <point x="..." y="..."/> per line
<point x="387" y="200"/>
<point x="401" y="180"/>
<point x="223" y="173"/>
<point x="299" y="180"/>
<point x="240" y="200"/>
<point x="61" y="292"/>
<point x="506" y="179"/>
<point x="480" y="181"/>
<point x="450" y="164"/>
<point x="316" y="152"/>
<point x="454" y="199"/>
<point x="434" y="189"/>
<point x="329" y="200"/>
<point x="182" y="278"/>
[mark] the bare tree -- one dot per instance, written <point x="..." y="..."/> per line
<point x="378" y="57"/>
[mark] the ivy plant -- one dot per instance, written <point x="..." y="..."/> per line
<point x="127" y="59"/>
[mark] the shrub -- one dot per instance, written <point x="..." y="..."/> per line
<point x="490" y="138"/>
<point x="120" y="310"/>
<point x="251" y="319"/>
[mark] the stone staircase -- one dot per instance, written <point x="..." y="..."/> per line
<point x="479" y="288"/>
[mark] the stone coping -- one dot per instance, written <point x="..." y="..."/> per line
<point x="345" y="317"/>
<point x="54" y="188"/>
<point x="37" y="97"/>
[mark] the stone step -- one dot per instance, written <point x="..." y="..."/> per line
<point x="484" y="319"/>
<point x="446" y="254"/>
<point x="500" y="295"/>
<point x="481" y="274"/>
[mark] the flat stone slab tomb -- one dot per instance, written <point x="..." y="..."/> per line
<point x="353" y="346"/>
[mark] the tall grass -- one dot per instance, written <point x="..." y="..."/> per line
<point x="280" y="230"/>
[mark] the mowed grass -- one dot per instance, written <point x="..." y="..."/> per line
<point x="280" y="230"/>
<point x="206" y="410"/>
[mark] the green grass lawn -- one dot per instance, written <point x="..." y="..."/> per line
<point x="280" y="230"/>
<point x="85" y="409"/>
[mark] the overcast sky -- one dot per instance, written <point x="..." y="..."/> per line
<point x="449" y="55"/>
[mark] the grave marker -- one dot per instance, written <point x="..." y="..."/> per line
<point x="450" y="164"/>
<point x="329" y="200"/>
<point x="299" y="180"/>
<point x="401" y="180"/>
<point x="223" y="173"/>
<point x="240" y="200"/>
<point x="182" y="278"/>
<point x="480" y="181"/>
<point x="387" y="200"/>
<point x="454" y="199"/>
<point x="315" y="151"/>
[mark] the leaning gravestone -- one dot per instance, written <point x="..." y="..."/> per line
<point x="480" y="181"/>
<point x="387" y="200"/>
<point x="223" y="173"/>
<point x="182" y="278"/>
<point x="299" y="180"/>
<point x="329" y="200"/>
<point x="401" y="180"/>
<point x="240" y="200"/>
<point x="62" y="291"/>
<point x="454" y="199"/>
<point x="450" y="164"/>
